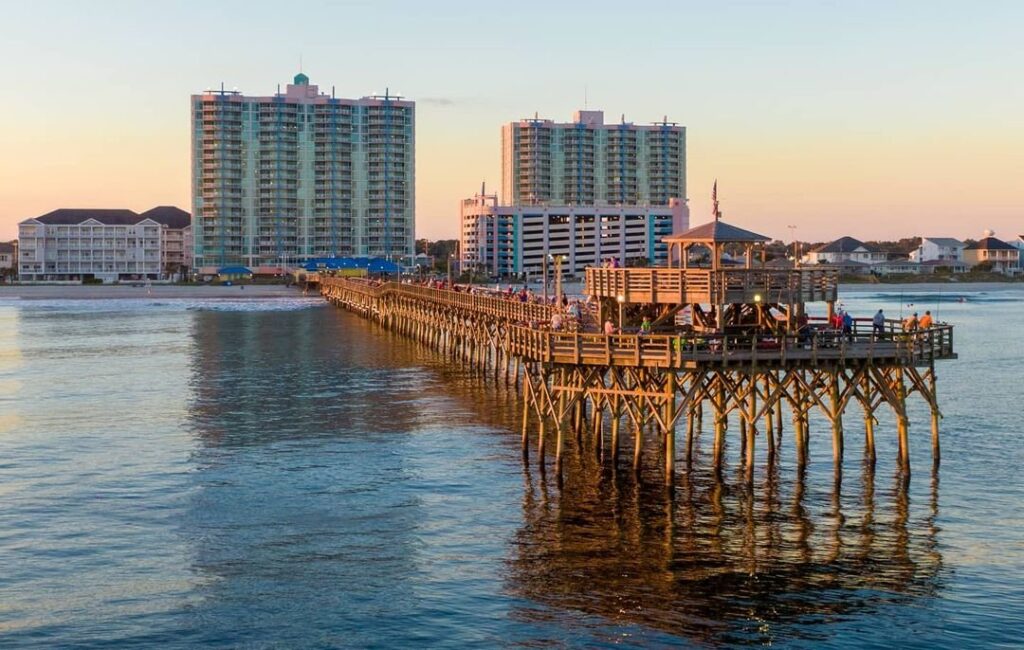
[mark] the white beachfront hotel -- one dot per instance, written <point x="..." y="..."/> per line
<point x="505" y="240"/>
<point x="72" y="245"/>
<point x="583" y="191"/>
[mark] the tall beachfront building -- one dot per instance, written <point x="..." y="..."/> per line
<point x="301" y="174"/>
<point x="588" y="162"/>
<point x="584" y="191"/>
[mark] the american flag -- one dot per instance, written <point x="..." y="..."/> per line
<point x="714" y="200"/>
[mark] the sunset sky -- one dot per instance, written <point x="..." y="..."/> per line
<point x="877" y="120"/>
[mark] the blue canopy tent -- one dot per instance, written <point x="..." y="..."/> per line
<point x="233" y="271"/>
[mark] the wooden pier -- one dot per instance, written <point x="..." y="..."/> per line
<point x="748" y="356"/>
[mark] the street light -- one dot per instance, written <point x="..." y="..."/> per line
<point x="622" y="301"/>
<point x="792" y="236"/>
<point x="544" y="271"/>
<point x="451" y="256"/>
<point x="558" y="277"/>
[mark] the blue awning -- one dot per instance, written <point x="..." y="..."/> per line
<point x="233" y="270"/>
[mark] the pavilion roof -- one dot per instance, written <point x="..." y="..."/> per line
<point x="716" y="231"/>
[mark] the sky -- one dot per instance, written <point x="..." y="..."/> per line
<point x="872" y="119"/>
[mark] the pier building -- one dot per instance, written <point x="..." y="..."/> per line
<point x="301" y="174"/>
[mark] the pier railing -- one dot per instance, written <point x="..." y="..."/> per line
<point x="686" y="286"/>
<point x="513" y="310"/>
<point x="539" y="343"/>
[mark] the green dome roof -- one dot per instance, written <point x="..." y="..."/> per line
<point x="301" y="80"/>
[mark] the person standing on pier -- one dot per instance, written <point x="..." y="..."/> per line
<point x="878" y="324"/>
<point x="609" y="328"/>
<point x="926" y="321"/>
<point x="848" y="326"/>
<point x="910" y="324"/>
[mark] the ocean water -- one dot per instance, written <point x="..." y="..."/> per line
<point x="281" y="473"/>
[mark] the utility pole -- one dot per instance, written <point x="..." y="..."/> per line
<point x="544" y="271"/>
<point x="796" y="255"/>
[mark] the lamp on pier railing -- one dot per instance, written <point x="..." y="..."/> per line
<point x="622" y="301"/>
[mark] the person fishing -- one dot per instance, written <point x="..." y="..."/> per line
<point x="910" y="323"/>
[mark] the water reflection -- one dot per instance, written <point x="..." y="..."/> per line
<point x="719" y="561"/>
<point x="292" y="516"/>
<point x="712" y="560"/>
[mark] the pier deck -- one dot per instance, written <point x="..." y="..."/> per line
<point x="588" y="381"/>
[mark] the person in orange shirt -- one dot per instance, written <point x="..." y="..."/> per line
<point x="925" y="322"/>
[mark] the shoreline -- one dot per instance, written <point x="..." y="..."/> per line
<point x="157" y="291"/>
<point x="278" y="291"/>
<point x="929" y="287"/>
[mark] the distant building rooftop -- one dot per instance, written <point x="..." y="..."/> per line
<point x="843" y="245"/>
<point x="992" y="244"/>
<point x="944" y="241"/>
<point x="167" y="215"/>
<point x="71" y="216"/>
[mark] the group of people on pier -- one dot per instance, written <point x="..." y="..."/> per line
<point x="572" y="314"/>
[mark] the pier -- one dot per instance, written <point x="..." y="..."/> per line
<point x="748" y="355"/>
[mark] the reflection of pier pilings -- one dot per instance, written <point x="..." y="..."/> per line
<point x="618" y="392"/>
<point x="716" y="561"/>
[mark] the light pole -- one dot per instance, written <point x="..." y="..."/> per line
<point x="558" y="278"/>
<point x="622" y="301"/>
<point x="450" y="257"/>
<point x="544" y="271"/>
<point x="792" y="236"/>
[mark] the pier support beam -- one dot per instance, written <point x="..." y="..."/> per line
<point x="670" y="429"/>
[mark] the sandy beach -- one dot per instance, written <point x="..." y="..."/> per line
<point x="112" y="291"/>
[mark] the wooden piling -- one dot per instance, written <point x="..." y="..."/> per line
<point x="670" y="434"/>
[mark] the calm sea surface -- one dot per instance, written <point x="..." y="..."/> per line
<point x="282" y="473"/>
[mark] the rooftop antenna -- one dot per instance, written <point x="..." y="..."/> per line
<point x="222" y="88"/>
<point x="483" y="188"/>
<point x="585" y="97"/>
<point x="332" y="92"/>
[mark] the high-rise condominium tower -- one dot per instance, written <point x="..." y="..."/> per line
<point x="588" y="162"/>
<point x="300" y="174"/>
